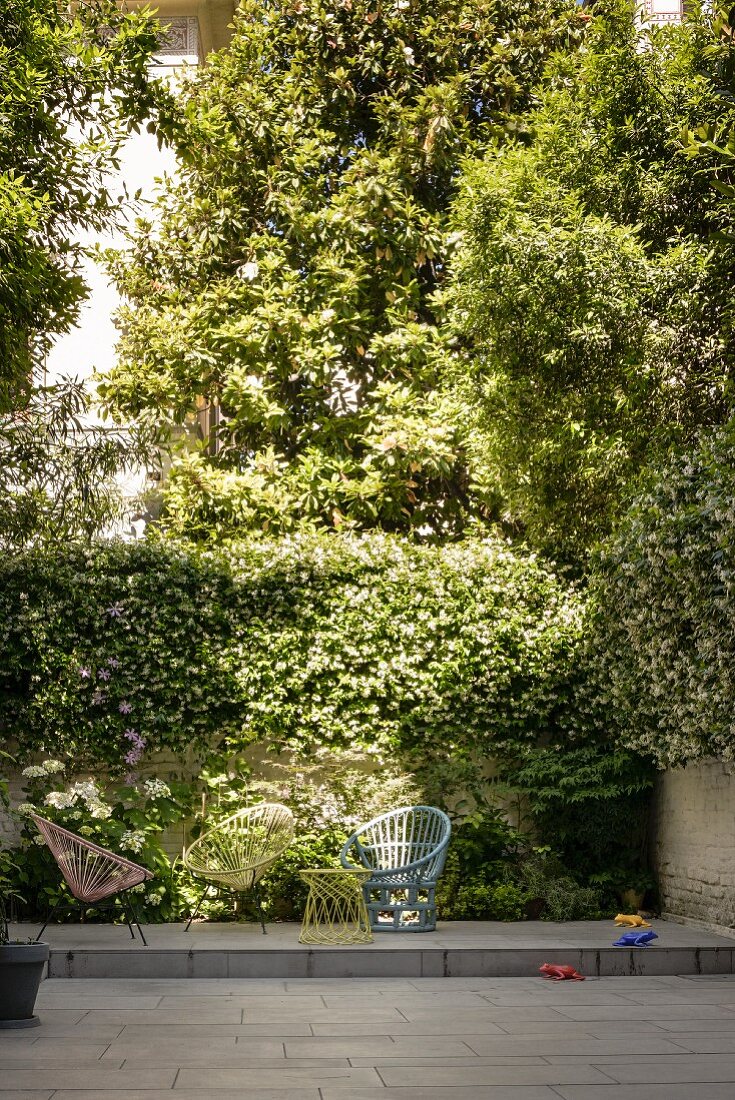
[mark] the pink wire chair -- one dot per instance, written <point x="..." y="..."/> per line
<point x="91" y="873"/>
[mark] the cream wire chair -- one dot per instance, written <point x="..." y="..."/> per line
<point x="238" y="851"/>
<point x="91" y="873"/>
<point x="405" y="851"/>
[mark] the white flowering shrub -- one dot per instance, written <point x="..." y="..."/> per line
<point x="664" y="592"/>
<point x="112" y="651"/>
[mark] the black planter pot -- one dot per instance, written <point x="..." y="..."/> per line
<point x="21" y="970"/>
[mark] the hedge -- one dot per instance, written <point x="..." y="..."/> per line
<point x="119" y="649"/>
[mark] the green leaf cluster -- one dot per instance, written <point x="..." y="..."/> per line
<point x="663" y="596"/>
<point x="73" y="81"/>
<point x="592" y="284"/>
<point x="292" y="276"/>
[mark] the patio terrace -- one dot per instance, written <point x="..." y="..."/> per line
<point x="458" y="949"/>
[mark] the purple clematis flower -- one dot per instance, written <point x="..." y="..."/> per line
<point x="104" y="674"/>
<point x="115" y="610"/>
<point x="98" y="698"/>
<point x="125" y="707"/>
<point x="113" y="662"/>
<point x="85" y="672"/>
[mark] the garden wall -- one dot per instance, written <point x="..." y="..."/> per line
<point x="693" y="843"/>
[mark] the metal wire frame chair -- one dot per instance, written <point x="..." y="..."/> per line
<point x="236" y="853"/>
<point x="405" y="851"/>
<point x="91" y="873"/>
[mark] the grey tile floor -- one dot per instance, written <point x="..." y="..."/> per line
<point x="628" y="1038"/>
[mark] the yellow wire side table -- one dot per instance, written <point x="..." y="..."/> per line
<point x="335" y="908"/>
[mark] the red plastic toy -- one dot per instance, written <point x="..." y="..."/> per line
<point x="560" y="973"/>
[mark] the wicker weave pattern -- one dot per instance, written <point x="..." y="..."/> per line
<point x="238" y="851"/>
<point x="335" y="910"/>
<point x="91" y="873"/>
<point x="405" y="851"/>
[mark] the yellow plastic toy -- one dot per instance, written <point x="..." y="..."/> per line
<point x="631" y="920"/>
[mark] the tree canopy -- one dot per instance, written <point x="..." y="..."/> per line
<point x="292" y="276"/>
<point x="74" y="80"/>
<point x="592" y="286"/>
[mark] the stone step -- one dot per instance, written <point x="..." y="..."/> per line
<point x="362" y="962"/>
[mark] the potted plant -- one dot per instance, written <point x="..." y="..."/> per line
<point x="21" y="964"/>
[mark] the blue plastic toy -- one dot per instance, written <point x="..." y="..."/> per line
<point x="636" y="938"/>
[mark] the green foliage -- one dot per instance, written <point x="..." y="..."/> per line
<point x="476" y="882"/>
<point x="293" y="281"/>
<point x="111" y="638"/>
<point x="128" y="819"/>
<point x="284" y="891"/>
<point x="438" y="653"/>
<point x="664" y="609"/>
<point x="8" y="868"/>
<point x="544" y="879"/>
<point x="592" y="286"/>
<point x="589" y="802"/>
<point x="74" y="82"/>
<point x="476" y="900"/>
<point x="712" y="143"/>
<point x="57" y="471"/>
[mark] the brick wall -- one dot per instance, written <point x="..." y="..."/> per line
<point x="693" y="842"/>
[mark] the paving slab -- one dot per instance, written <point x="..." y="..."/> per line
<point x="501" y="1039"/>
<point x="642" y="1092"/>
<point x="475" y="1092"/>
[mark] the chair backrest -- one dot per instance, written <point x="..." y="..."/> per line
<point x="402" y="839"/>
<point x="247" y="839"/>
<point x="91" y="873"/>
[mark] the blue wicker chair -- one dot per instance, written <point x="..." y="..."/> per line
<point x="405" y="850"/>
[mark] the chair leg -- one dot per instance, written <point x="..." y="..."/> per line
<point x="48" y="918"/>
<point x="199" y="905"/>
<point x="259" y="902"/>
<point x="126" y="914"/>
<point x="128" y="903"/>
